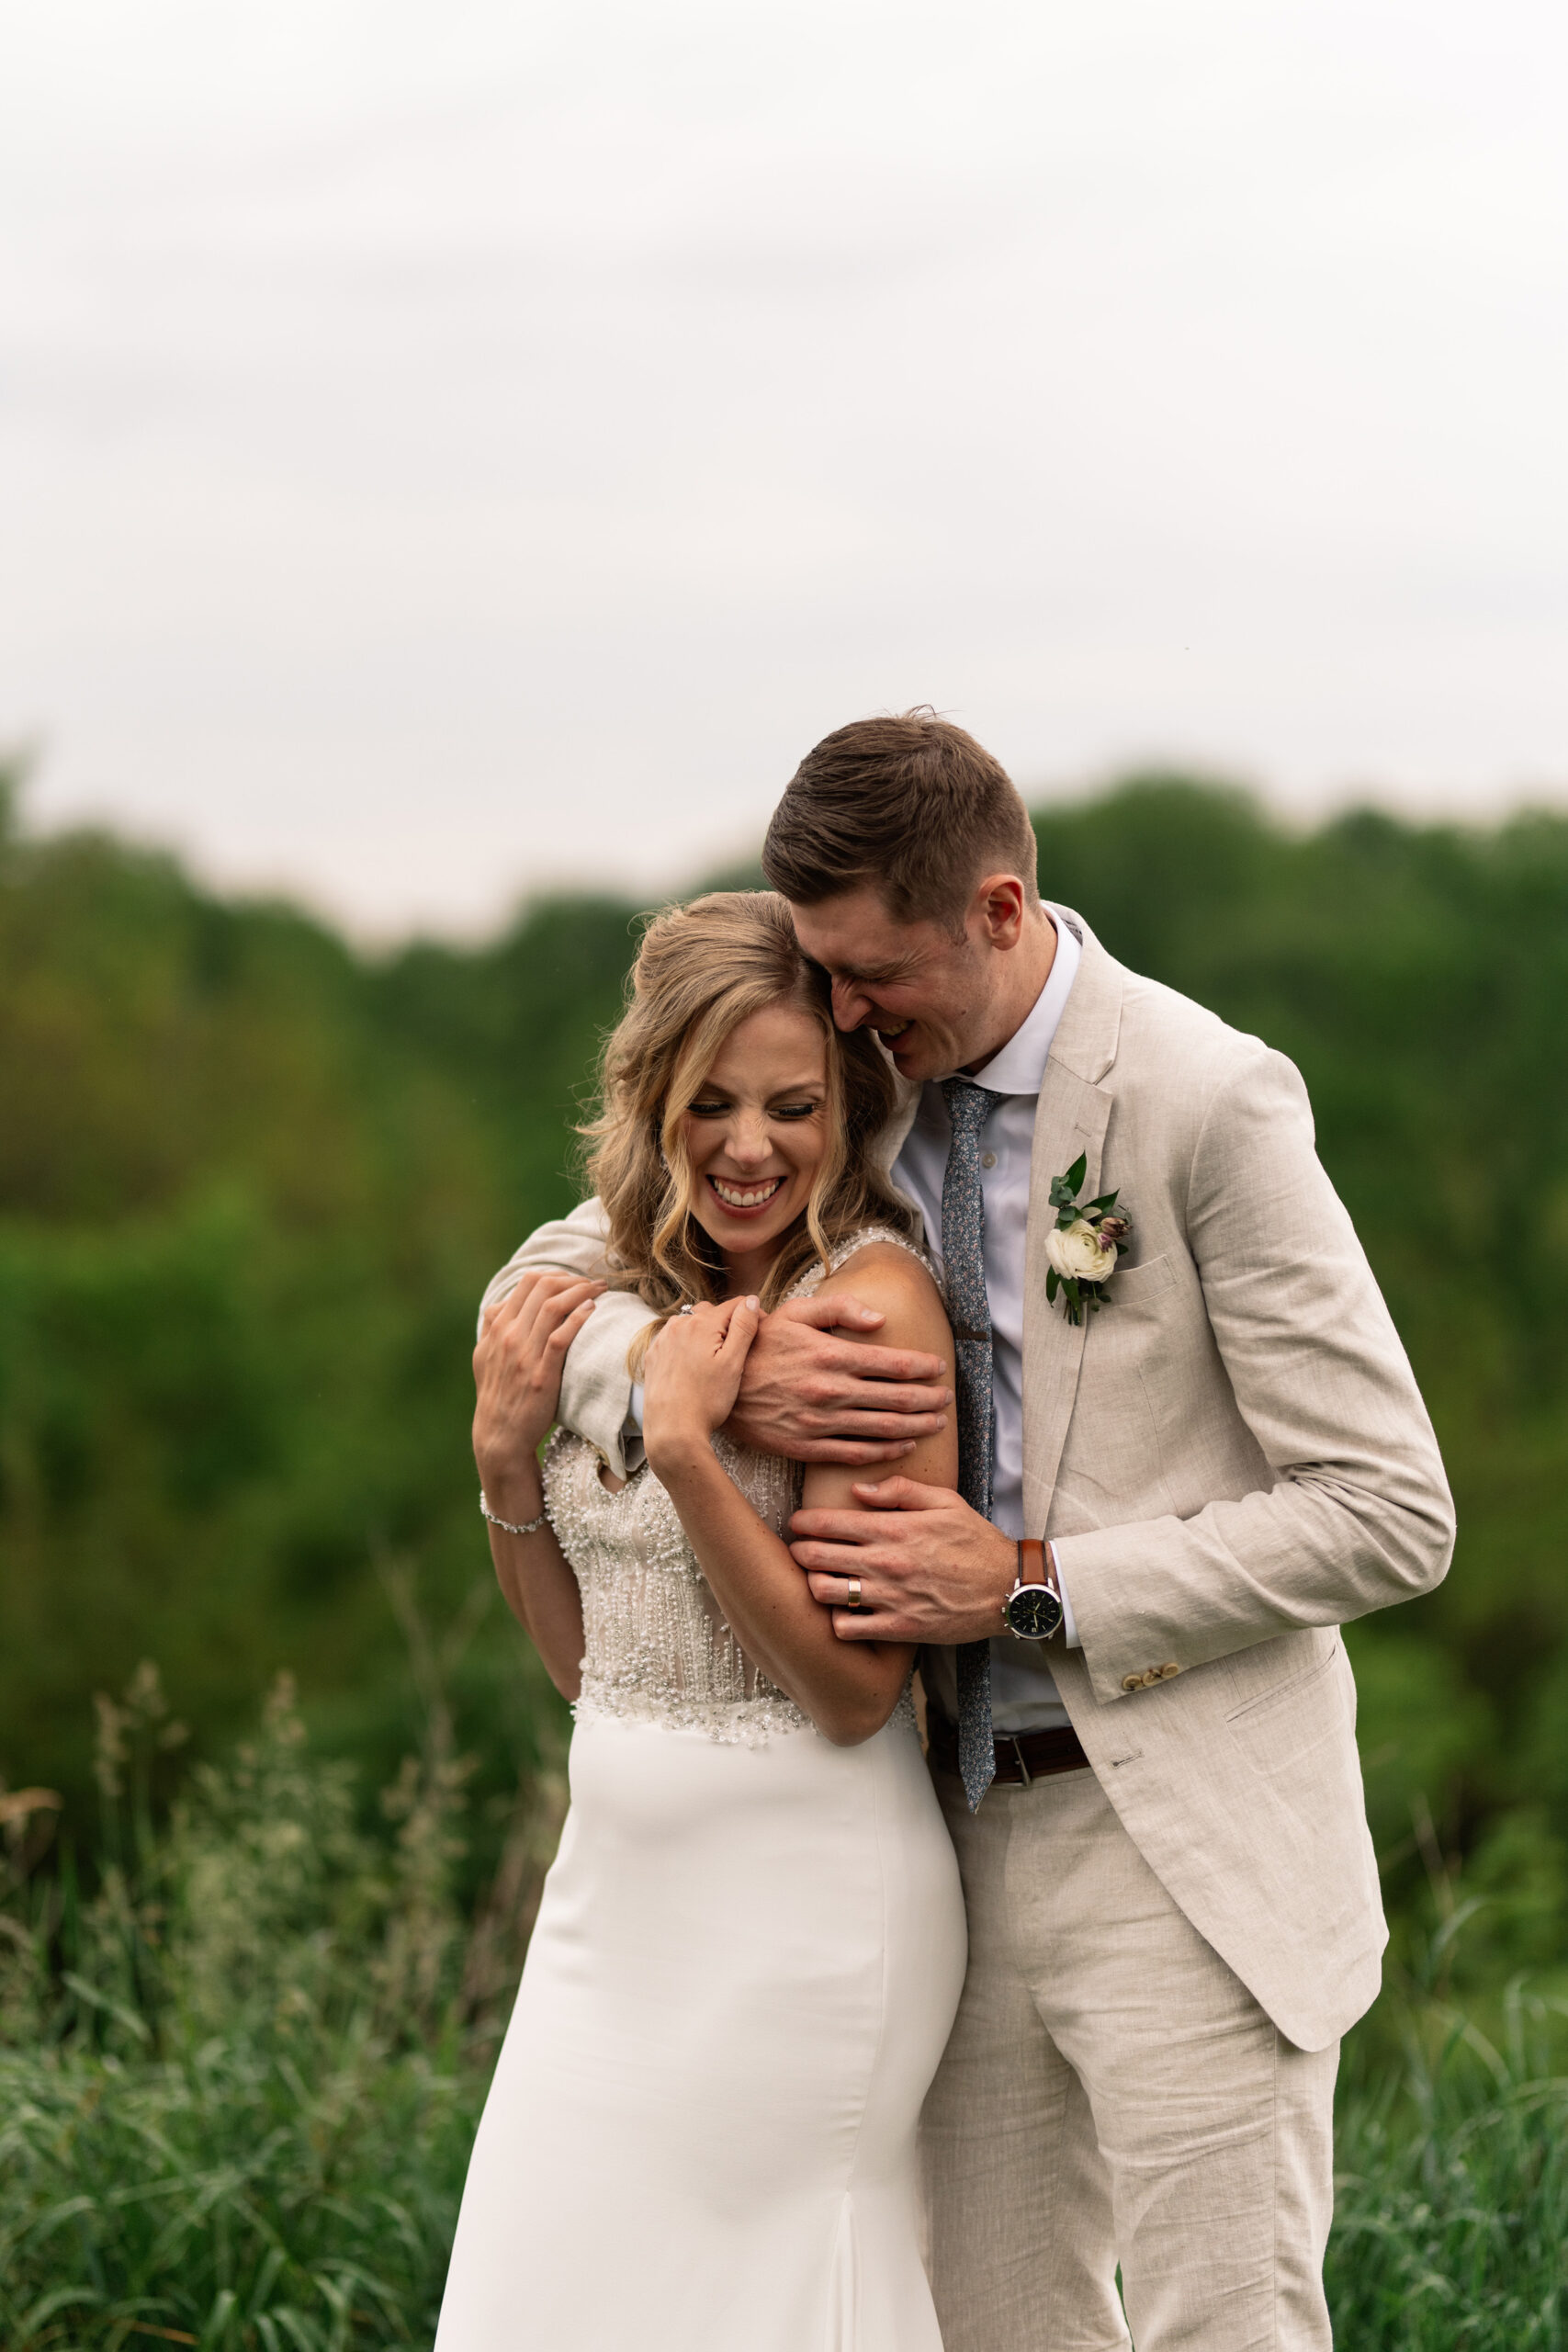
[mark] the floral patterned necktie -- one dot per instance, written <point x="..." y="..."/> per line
<point x="963" y="1261"/>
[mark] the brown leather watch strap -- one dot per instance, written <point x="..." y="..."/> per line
<point x="1037" y="1564"/>
<point x="1034" y="1566"/>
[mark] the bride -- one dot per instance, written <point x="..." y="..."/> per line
<point x="701" y="2134"/>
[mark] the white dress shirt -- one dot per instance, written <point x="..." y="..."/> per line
<point x="1024" y="1696"/>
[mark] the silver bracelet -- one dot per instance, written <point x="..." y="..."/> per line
<point x="505" y="1525"/>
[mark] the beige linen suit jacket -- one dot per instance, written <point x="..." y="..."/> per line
<point x="1233" y="1459"/>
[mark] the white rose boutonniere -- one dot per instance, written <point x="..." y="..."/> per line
<point x="1084" y="1245"/>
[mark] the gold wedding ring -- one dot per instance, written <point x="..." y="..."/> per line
<point x="853" y="1598"/>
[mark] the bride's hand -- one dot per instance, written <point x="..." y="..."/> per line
<point x="517" y="1372"/>
<point x="692" y="1376"/>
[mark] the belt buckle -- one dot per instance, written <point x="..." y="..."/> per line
<point x="1024" y="1774"/>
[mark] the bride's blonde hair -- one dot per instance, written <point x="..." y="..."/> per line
<point x="700" y="970"/>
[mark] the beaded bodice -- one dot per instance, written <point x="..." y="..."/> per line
<point x="656" y="1646"/>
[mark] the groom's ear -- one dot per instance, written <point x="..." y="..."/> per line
<point x="998" y="904"/>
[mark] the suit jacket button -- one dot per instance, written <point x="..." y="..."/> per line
<point x="1150" y="1674"/>
<point x="1166" y="1671"/>
<point x="1132" y="1682"/>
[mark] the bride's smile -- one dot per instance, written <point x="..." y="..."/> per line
<point x="756" y="1134"/>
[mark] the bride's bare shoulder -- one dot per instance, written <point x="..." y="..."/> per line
<point x="901" y="1286"/>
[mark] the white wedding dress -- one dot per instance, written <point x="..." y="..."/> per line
<point x="700" y="2132"/>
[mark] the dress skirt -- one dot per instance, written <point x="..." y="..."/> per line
<point x="701" y="2136"/>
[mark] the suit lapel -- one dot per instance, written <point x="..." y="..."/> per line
<point x="1072" y="1118"/>
<point x="1073" y="1115"/>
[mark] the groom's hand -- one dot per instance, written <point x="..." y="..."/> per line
<point x="930" y="1570"/>
<point x="814" y="1397"/>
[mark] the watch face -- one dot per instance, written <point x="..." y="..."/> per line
<point x="1033" y="1611"/>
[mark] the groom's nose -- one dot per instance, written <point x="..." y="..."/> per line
<point x="852" y="1006"/>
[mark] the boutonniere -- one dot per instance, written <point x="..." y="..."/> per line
<point x="1084" y="1244"/>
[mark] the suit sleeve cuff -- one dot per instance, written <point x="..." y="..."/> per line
<point x="1069" y="1622"/>
<point x="632" y="1454"/>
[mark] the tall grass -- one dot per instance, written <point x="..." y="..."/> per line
<point x="239" y="2084"/>
<point x="1452" y="2211"/>
<point x="239" y="2081"/>
<point x="1451" y="2198"/>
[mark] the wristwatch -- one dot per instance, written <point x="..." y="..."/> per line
<point x="1032" y="1610"/>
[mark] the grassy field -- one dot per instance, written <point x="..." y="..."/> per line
<point x="240" y="2082"/>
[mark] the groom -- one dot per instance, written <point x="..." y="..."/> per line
<point x="1142" y="1720"/>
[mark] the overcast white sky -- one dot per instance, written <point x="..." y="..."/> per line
<point x="448" y="448"/>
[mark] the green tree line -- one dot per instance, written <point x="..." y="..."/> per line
<point x="252" y="1182"/>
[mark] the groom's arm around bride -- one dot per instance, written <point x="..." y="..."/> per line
<point x="807" y="1393"/>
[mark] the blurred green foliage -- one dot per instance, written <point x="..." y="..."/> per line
<point x="251" y="1183"/>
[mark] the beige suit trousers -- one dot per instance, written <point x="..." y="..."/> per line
<point x="1113" y="2094"/>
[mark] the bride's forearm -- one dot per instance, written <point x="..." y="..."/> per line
<point x="848" y="1689"/>
<point x="537" y="1584"/>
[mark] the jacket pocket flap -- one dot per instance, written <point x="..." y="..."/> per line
<point x="1145" y="1281"/>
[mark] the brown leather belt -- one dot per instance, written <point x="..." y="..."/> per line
<point x="1022" y="1756"/>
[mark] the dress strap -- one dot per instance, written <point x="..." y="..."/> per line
<point x="818" y="1272"/>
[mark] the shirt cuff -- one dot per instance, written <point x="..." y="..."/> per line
<point x="633" y="1411"/>
<point x="1069" y="1622"/>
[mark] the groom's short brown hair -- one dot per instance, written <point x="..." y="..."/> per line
<point x="911" y="804"/>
